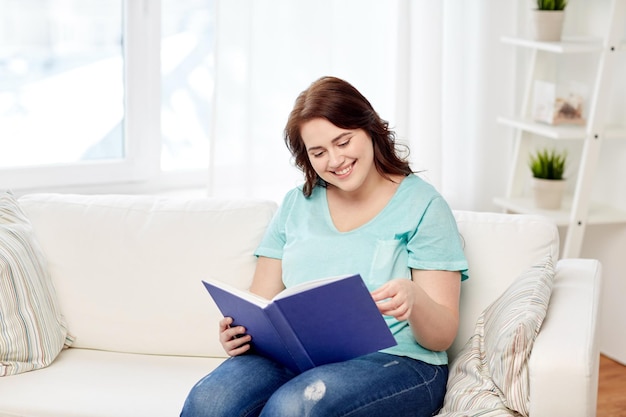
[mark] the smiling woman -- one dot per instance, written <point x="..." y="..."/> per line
<point x="334" y="153"/>
<point x="361" y="209"/>
<point x="325" y="139"/>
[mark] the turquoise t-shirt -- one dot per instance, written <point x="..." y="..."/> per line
<point x="416" y="229"/>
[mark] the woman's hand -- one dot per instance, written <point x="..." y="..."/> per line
<point x="267" y="282"/>
<point x="234" y="340"/>
<point x="395" y="298"/>
<point x="429" y="302"/>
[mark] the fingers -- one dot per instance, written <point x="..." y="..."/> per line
<point x="234" y="340"/>
<point x="225" y="323"/>
<point x="395" y="308"/>
<point x="382" y="293"/>
<point x="391" y="300"/>
<point x="400" y="313"/>
<point x="234" y="349"/>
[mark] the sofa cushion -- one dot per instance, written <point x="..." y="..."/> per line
<point x="32" y="329"/>
<point x="499" y="247"/>
<point x="491" y="372"/>
<point x="128" y="269"/>
<point x="86" y="382"/>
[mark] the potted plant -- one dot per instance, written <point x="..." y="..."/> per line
<point x="548" y="167"/>
<point x="547" y="20"/>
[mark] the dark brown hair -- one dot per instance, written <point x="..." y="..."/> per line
<point x="344" y="106"/>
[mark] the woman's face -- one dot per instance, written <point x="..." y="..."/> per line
<point x="343" y="158"/>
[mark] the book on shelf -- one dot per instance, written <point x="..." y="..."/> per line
<point x="307" y="325"/>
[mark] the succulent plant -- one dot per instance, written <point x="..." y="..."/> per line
<point x="548" y="164"/>
<point x="551" y="4"/>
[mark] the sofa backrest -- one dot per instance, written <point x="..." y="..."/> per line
<point x="498" y="248"/>
<point x="128" y="269"/>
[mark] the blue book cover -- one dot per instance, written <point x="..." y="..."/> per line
<point x="315" y="323"/>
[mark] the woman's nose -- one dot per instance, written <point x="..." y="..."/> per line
<point x="335" y="159"/>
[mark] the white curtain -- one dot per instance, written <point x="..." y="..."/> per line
<point x="462" y="79"/>
<point x="435" y="70"/>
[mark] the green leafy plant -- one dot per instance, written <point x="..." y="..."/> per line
<point x="551" y="4"/>
<point x="548" y="164"/>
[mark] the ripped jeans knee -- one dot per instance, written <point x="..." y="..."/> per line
<point x="297" y="400"/>
<point x="374" y="385"/>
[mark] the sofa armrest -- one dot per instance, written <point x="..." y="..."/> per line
<point x="564" y="363"/>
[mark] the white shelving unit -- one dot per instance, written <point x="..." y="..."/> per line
<point x="578" y="210"/>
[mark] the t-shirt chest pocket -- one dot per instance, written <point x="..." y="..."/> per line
<point x="389" y="261"/>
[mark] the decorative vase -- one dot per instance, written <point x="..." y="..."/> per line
<point x="546" y="25"/>
<point x="548" y="194"/>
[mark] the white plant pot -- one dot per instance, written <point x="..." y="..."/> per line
<point x="546" y="25"/>
<point x="548" y="194"/>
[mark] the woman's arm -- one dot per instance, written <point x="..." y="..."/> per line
<point x="268" y="277"/>
<point x="430" y="302"/>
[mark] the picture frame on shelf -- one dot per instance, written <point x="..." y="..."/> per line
<point x="554" y="105"/>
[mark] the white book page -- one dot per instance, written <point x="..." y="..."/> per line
<point x="296" y="289"/>
<point x="246" y="295"/>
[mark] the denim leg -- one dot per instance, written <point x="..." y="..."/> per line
<point x="239" y="387"/>
<point x="375" y="385"/>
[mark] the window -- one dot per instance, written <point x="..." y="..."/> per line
<point x="187" y="71"/>
<point x="62" y="73"/>
<point x="101" y="92"/>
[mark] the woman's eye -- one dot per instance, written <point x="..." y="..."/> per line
<point x="344" y="143"/>
<point x="318" y="154"/>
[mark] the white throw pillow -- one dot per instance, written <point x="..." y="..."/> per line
<point x="489" y="377"/>
<point x="32" y="330"/>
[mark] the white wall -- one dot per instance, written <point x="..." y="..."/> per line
<point x="606" y="242"/>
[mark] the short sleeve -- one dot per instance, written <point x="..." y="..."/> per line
<point x="273" y="241"/>
<point x="437" y="244"/>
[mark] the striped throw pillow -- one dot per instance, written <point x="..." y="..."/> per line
<point x="32" y="330"/>
<point x="489" y="377"/>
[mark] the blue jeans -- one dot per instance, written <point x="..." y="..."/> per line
<point x="373" y="385"/>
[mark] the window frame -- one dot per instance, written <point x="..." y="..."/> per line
<point x="142" y="117"/>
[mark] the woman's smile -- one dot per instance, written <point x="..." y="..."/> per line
<point x="344" y="171"/>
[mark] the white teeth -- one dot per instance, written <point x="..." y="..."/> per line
<point x="344" y="171"/>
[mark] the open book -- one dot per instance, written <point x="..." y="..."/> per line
<point x="311" y="324"/>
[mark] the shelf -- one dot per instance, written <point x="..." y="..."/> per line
<point x="566" y="46"/>
<point x="598" y="213"/>
<point x="553" y="132"/>
<point x="529" y="133"/>
<point x="560" y="131"/>
<point x="572" y="45"/>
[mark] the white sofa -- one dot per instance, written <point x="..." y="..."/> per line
<point x="128" y="270"/>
